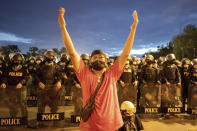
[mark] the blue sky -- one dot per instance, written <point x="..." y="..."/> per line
<point x="94" y="24"/>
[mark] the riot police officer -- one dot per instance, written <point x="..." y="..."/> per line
<point x="184" y="71"/>
<point x="110" y="62"/>
<point x="31" y="83"/>
<point x="69" y="82"/>
<point x="62" y="64"/>
<point x="14" y="81"/>
<point x="134" y="66"/>
<point x="49" y="83"/>
<point x="2" y="73"/>
<point x="150" y="88"/>
<point x="192" y="89"/>
<point x="85" y="58"/>
<point x="127" y="85"/>
<point x="171" y="90"/>
<point x="39" y="59"/>
<point x="160" y="62"/>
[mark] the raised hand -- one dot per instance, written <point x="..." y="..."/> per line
<point x="135" y="17"/>
<point x="61" y="17"/>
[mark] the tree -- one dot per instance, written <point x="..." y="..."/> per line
<point x="163" y="50"/>
<point x="33" y="51"/>
<point x="41" y="52"/>
<point x="63" y="50"/>
<point x="183" y="45"/>
<point x="186" y="43"/>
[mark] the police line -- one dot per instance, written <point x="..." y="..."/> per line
<point x="32" y="102"/>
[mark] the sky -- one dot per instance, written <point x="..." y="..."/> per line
<point x="94" y="24"/>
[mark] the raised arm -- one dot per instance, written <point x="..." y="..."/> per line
<point x="75" y="58"/>
<point x="129" y="43"/>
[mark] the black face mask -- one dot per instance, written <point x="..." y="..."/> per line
<point x="170" y="62"/>
<point x="64" y="60"/>
<point x="49" y="60"/>
<point x="98" y="65"/>
<point x="16" y="63"/>
<point x="149" y="62"/>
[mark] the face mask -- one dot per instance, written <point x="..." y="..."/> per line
<point x="171" y="62"/>
<point x="49" y="60"/>
<point x="149" y="62"/>
<point x="64" y="60"/>
<point x="98" y="65"/>
<point x="16" y="63"/>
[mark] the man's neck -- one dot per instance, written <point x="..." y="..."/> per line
<point x="98" y="73"/>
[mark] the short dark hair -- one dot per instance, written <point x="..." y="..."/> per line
<point x="95" y="52"/>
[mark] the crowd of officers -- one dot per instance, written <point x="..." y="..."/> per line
<point x="146" y="82"/>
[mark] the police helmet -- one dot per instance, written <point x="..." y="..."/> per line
<point x="170" y="57"/>
<point x="84" y="56"/>
<point x="128" y="107"/>
<point x="134" y="58"/>
<point x="16" y="58"/>
<point x="107" y="56"/>
<point x="149" y="58"/>
<point x="194" y="61"/>
<point x="31" y="58"/>
<point x="178" y="63"/>
<point x="39" y="58"/>
<point x="111" y="60"/>
<point x="49" y="55"/>
<point x="186" y="61"/>
<point x="160" y="60"/>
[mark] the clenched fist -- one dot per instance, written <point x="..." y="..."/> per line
<point x="61" y="17"/>
<point x="135" y="17"/>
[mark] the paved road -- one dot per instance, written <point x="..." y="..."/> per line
<point x="173" y="124"/>
<point x="149" y="125"/>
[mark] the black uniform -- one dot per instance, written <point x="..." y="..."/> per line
<point x="31" y="83"/>
<point x="171" y="75"/>
<point x="127" y="92"/>
<point x="2" y="75"/>
<point x="192" y="90"/>
<point x="184" y="71"/>
<point x="16" y="98"/>
<point x="150" y="88"/>
<point x="49" y="74"/>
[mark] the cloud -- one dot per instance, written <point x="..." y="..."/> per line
<point x="142" y="51"/>
<point x="134" y="51"/>
<point x="14" y="38"/>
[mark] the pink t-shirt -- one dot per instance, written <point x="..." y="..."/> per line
<point x="106" y="115"/>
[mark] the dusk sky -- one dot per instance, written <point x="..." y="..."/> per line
<point x="94" y="24"/>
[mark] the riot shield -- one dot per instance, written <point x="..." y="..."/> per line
<point x="171" y="95"/>
<point x="50" y="111"/>
<point x="127" y="93"/>
<point x="150" y="95"/>
<point x="13" y="107"/>
<point x="192" y="96"/>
